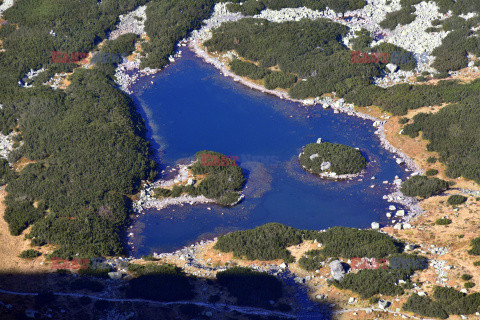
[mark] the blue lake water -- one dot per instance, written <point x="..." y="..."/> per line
<point x="190" y="106"/>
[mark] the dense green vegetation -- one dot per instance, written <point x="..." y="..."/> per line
<point x="251" y="288"/>
<point x="422" y="186"/>
<point x="279" y="79"/>
<point x="448" y="301"/>
<point x="6" y="173"/>
<point x="253" y="7"/>
<point x="403" y="16"/>
<point x="431" y="172"/>
<point x="475" y="243"/>
<point x="443" y="221"/>
<point x="456" y="199"/>
<point x="312" y="260"/>
<point x="88" y="135"/>
<point x="30" y="253"/>
<point x="169" y="21"/>
<point x="424" y="306"/>
<point x="161" y="283"/>
<point x="124" y="44"/>
<point x="452" y="132"/>
<point x="248" y="69"/>
<point x="350" y="243"/>
<point x="307" y="49"/>
<point x="224" y="179"/>
<point x="466" y="277"/>
<point x="269" y="242"/>
<point x="343" y="159"/>
<point x="370" y="282"/>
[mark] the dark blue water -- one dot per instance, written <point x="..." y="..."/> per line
<point x="190" y="107"/>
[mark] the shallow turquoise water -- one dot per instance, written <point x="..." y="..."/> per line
<point x="190" y="107"/>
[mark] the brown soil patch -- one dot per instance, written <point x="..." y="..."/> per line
<point x="12" y="246"/>
<point x="22" y="163"/>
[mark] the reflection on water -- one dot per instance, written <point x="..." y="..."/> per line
<point x="191" y="107"/>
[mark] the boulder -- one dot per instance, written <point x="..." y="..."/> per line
<point x="375" y="225"/>
<point x="400" y="213"/>
<point x="383" y="304"/>
<point x="319" y="140"/>
<point x="398" y="226"/>
<point x="392" y="67"/>
<point x="325" y="166"/>
<point x="115" y="275"/>
<point x="336" y="270"/>
<point x="313" y="156"/>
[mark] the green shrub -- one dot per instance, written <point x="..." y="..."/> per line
<point x="456" y="199"/>
<point x="350" y="243"/>
<point x="431" y="172"/>
<point x="224" y="178"/>
<point x="343" y="159"/>
<point x="124" y="45"/>
<point x="466" y="277"/>
<point x="469" y="285"/>
<point x="249" y="8"/>
<point x="248" y="69"/>
<point x="422" y="79"/>
<point x="267" y="242"/>
<point x="373" y="300"/>
<point x="456" y="302"/>
<point x="432" y="159"/>
<point x="403" y="120"/>
<point x="403" y="16"/>
<point x="311" y="261"/>
<point x="162" y="192"/>
<point x="369" y="282"/>
<point x="30" y="253"/>
<point x="187" y="16"/>
<point x="443" y="221"/>
<point x="149" y="257"/>
<point x="475" y="243"/>
<point x="476" y="263"/>
<point x="279" y="79"/>
<point x="421" y="186"/>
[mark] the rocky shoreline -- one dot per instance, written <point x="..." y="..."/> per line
<point x="148" y="200"/>
<point x="338" y="105"/>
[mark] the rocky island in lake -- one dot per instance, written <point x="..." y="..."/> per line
<point x="332" y="160"/>
<point x="215" y="176"/>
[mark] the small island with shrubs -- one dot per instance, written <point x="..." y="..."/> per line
<point x="214" y="176"/>
<point x="332" y="160"/>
